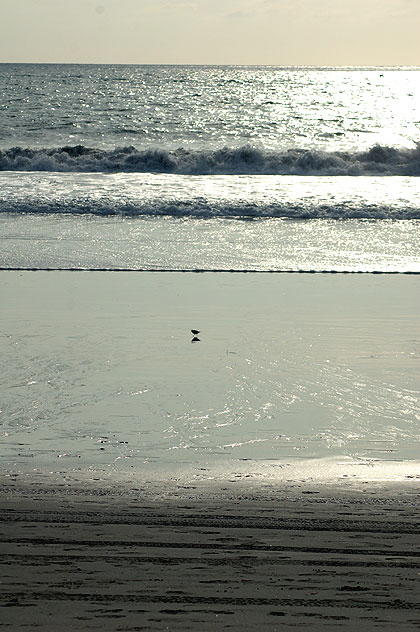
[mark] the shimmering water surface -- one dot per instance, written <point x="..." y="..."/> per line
<point x="186" y="106"/>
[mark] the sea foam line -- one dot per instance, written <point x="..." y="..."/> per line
<point x="108" y="206"/>
<point x="210" y="270"/>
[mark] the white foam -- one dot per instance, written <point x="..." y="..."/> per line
<point x="379" y="160"/>
<point x="211" y="196"/>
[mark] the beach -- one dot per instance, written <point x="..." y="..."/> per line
<point x="279" y="558"/>
<point x="219" y="501"/>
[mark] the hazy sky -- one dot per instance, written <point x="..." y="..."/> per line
<point x="283" y="32"/>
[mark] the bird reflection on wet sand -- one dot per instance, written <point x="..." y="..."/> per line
<point x="195" y="333"/>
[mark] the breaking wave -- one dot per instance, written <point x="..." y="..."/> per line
<point x="378" y="160"/>
<point x="203" y="209"/>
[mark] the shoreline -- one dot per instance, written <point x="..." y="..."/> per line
<point x="216" y="270"/>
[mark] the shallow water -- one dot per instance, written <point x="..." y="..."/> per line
<point x="170" y="244"/>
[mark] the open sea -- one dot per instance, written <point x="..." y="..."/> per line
<point x="210" y="169"/>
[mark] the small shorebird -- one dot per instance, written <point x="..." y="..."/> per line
<point x="194" y="332"/>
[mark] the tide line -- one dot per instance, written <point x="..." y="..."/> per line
<point x="207" y="270"/>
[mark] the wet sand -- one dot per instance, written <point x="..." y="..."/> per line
<point x="99" y="374"/>
<point x="279" y="558"/>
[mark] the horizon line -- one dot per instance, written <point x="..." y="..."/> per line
<point x="193" y="64"/>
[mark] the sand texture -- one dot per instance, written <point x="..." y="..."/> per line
<point x="292" y="559"/>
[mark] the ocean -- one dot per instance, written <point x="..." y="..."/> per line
<point x="222" y="169"/>
<point x="86" y="150"/>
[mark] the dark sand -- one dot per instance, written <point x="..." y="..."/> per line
<point x="276" y="558"/>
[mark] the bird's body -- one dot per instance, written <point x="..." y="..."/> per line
<point x="194" y="332"/>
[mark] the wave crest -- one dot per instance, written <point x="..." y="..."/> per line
<point x="378" y="160"/>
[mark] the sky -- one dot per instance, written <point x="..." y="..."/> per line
<point x="277" y="32"/>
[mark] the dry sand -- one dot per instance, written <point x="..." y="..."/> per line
<point x="294" y="557"/>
